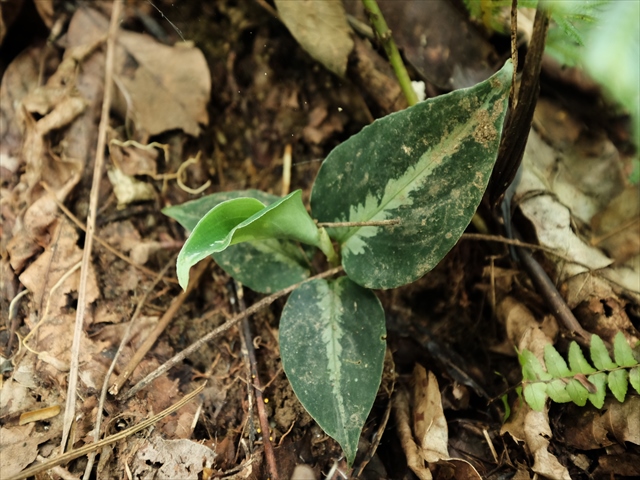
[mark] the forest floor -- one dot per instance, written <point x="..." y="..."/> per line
<point x="238" y="106"/>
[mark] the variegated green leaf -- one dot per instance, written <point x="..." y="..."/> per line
<point x="265" y="266"/>
<point x="332" y="343"/>
<point x="427" y="166"/>
<point x="599" y="354"/>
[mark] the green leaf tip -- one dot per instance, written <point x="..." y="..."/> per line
<point x="248" y="219"/>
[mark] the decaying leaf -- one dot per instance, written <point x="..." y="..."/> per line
<point x="321" y="28"/>
<point x="128" y="189"/>
<point x="429" y="422"/>
<point x="422" y="419"/>
<point x="160" y="87"/>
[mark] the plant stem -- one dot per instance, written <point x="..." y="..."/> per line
<point x="373" y="223"/>
<point x="381" y="28"/>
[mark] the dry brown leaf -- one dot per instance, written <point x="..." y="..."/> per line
<point x="537" y="435"/>
<point x="401" y="411"/>
<point x="622" y="420"/>
<point x="161" y="458"/>
<point x="46" y="11"/>
<point x="616" y="229"/>
<point x="321" y="28"/>
<point x="20" y="77"/>
<point x="59" y="257"/>
<point x="429" y="422"/>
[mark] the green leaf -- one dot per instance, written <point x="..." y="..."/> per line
<point x="556" y="365"/>
<point x="532" y="369"/>
<point x="247" y="219"/>
<point x="427" y="166"/>
<point x="535" y="395"/>
<point x="599" y="380"/>
<point x="622" y="351"/>
<point x="557" y="391"/>
<point x="332" y="343"/>
<point x="599" y="354"/>
<point x="265" y="266"/>
<point x="634" y="378"/>
<point x="618" y="384"/>
<point x="577" y="362"/>
<point x="577" y="392"/>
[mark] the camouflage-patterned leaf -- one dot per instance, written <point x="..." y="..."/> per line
<point x="427" y="166"/>
<point x="332" y="343"/>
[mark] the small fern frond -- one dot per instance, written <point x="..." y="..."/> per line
<point x="579" y="381"/>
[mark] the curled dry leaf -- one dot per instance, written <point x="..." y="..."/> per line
<point x="537" y="435"/>
<point x="429" y="422"/>
<point x="424" y="420"/>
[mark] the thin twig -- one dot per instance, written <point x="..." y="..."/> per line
<point x="123" y="343"/>
<point x="253" y="370"/>
<point x="159" y="328"/>
<point x="514" y="50"/>
<point x="372" y="223"/>
<point x="70" y="407"/>
<point x="79" y="452"/>
<point x="381" y="28"/>
<point x="222" y="328"/>
<point x="102" y="243"/>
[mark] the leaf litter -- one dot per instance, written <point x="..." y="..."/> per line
<point x="49" y="132"/>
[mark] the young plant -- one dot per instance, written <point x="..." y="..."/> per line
<point x="398" y="196"/>
<point x="579" y="381"/>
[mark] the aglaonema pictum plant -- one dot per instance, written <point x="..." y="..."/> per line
<point x="426" y="169"/>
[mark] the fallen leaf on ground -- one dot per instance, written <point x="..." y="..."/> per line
<point x="183" y="459"/>
<point x="321" y="28"/>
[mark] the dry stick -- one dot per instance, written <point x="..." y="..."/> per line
<point x="70" y="408"/>
<point x="381" y="28"/>
<point x="253" y="369"/>
<point x="159" y="328"/>
<point x="222" y="328"/>
<point x="102" y="243"/>
<point x="123" y="342"/>
<point x="542" y="281"/>
<point x="550" y="251"/>
<point x="548" y="290"/>
<point x="73" y="454"/>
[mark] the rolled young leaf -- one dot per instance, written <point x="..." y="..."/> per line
<point x="265" y="266"/>
<point x="247" y="219"/>
<point x="427" y="166"/>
